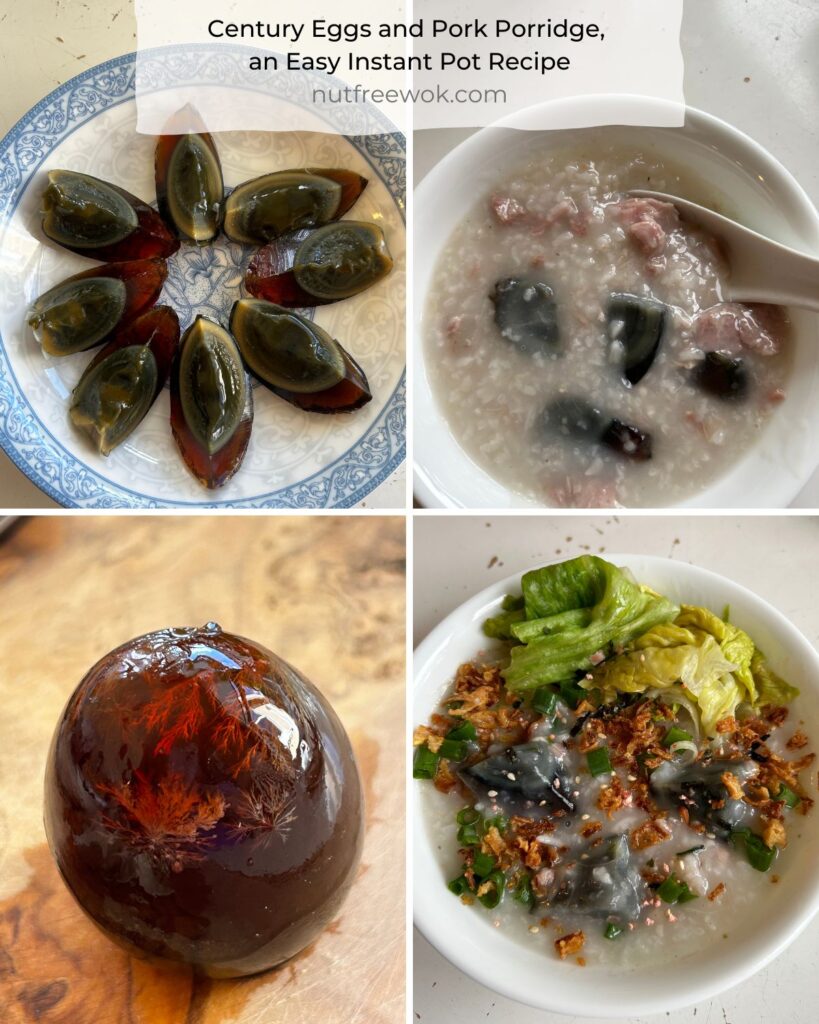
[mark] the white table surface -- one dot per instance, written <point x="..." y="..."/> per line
<point x="43" y="43"/>
<point x="777" y="557"/>
<point x="752" y="63"/>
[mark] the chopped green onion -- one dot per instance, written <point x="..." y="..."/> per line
<point x="498" y="822"/>
<point x="425" y="763"/>
<point x="760" y="856"/>
<point x="599" y="761"/>
<point x="612" y="930"/>
<point x="787" y="796"/>
<point x="467" y="816"/>
<point x="458" y="885"/>
<point x="464" y="731"/>
<point x="523" y="892"/>
<point x="453" y="750"/>
<point x="571" y="693"/>
<point x="483" y="864"/>
<point x="544" y="701"/>
<point x="675" y="735"/>
<point x="693" y="849"/>
<point x="468" y="835"/>
<point x="493" y="897"/>
<point x="672" y="890"/>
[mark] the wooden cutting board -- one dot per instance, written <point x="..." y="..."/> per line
<point x="326" y="593"/>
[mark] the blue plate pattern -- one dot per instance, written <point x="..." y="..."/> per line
<point x="28" y="442"/>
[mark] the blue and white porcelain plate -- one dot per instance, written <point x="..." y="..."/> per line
<point x="295" y="459"/>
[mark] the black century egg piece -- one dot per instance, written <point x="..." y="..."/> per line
<point x="532" y="771"/>
<point x="526" y="314"/>
<point x="607" y="884"/>
<point x="722" y="375"/>
<point x="636" y="325"/>
<point x="699" y="788"/>
<point x="571" y="417"/>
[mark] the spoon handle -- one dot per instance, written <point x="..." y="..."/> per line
<point x="784" y="277"/>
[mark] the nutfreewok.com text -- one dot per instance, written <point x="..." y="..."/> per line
<point x="359" y="94"/>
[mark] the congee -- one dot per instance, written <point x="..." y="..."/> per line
<point x="619" y="780"/>
<point x="578" y="340"/>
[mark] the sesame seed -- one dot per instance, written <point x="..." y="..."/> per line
<point x="492" y="793"/>
<point x="533" y="928"/>
<point x="585" y="817"/>
<point x="511" y="776"/>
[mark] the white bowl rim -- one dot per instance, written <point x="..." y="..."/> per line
<point x="430" y="495"/>
<point x="427" y="914"/>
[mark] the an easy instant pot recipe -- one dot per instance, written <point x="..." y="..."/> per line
<point x="306" y="257"/>
<point x="579" y="345"/>
<point x="617" y="778"/>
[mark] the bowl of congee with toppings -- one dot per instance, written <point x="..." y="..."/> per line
<point x="614" y="784"/>
<point x="579" y="345"/>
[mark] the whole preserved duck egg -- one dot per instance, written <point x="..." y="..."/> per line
<point x="102" y="221"/>
<point x="526" y="314"/>
<point x="83" y="310"/>
<point x="202" y="802"/>
<point x="264" y="208"/>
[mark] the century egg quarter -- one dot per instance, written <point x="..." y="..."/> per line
<point x="202" y="802"/>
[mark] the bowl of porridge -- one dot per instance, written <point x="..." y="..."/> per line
<point x="575" y="342"/>
<point x="614" y="802"/>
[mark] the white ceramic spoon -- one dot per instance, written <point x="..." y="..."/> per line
<point x="761" y="270"/>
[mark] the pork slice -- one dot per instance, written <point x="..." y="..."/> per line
<point x="732" y="327"/>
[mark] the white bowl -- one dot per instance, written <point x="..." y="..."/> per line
<point x="750" y="185"/>
<point x="536" y="978"/>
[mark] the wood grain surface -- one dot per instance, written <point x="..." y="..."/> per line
<point x="326" y="593"/>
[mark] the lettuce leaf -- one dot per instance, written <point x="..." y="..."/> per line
<point x="771" y="688"/>
<point x="499" y="627"/>
<point x="701" y="667"/>
<point x="574" y="610"/>
<point x="716" y="662"/>
<point x="736" y="645"/>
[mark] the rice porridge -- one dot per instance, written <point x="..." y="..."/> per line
<point x="619" y="779"/>
<point x="578" y="341"/>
